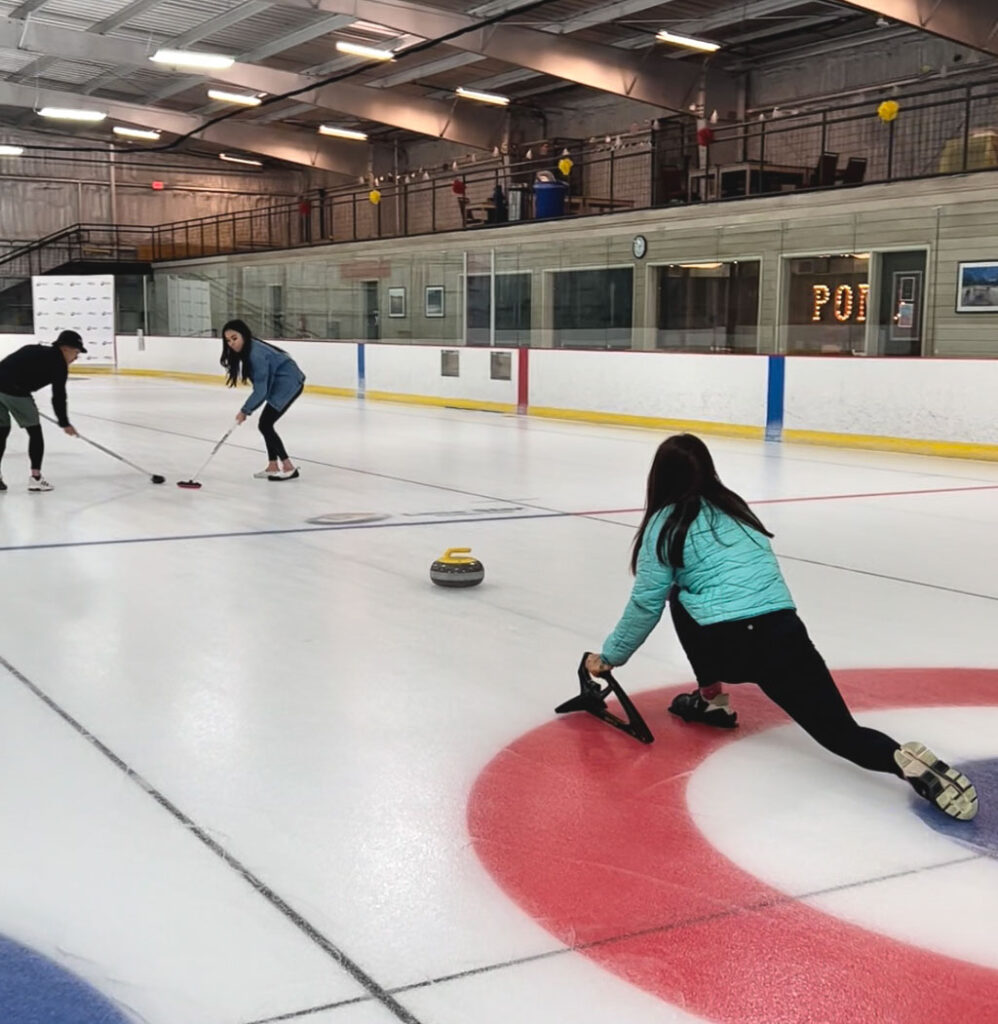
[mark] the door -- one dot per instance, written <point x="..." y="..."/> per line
<point x="372" y="314"/>
<point x="901" y="302"/>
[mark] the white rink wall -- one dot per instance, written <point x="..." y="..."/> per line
<point x="949" y="400"/>
<point x="416" y="370"/>
<point x="720" y="389"/>
<point x="326" y="364"/>
<point x="941" y="401"/>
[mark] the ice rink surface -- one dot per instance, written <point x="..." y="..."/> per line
<point x="257" y="768"/>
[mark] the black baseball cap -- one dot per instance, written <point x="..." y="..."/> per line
<point x="71" y="340"/>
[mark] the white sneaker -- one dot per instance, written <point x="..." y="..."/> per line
<point x="284" y="474"/>
<point x="39" y="483"/>
<point x="948" y="789"/>
<point x="264" y="474"/>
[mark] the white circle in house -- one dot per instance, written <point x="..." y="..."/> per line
<point x="639" y="246"/>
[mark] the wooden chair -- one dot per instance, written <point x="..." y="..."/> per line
<point x="824" y="172"/>
<point x="854" y="172"/>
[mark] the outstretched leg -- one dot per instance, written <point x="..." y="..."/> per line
<point x="793" y="675"/>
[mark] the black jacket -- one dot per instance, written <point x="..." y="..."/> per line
<point x="33" y="367"/>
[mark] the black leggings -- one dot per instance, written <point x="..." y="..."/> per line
<point x="36" y="444"/>
<point x="775" y="652"/>
<point x="269" y="416"/>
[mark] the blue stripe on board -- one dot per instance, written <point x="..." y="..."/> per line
<point x="361" y="369"/>
<point x="774" y="398"/>
<point x="35" y="990"/>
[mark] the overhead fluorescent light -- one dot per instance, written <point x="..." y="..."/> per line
<point x="11" y="150"/>
<point x="234" y="97"/>
<point x="700" y="266"/>
<point x="693" y="44"/>
<point x="240" y="160"/>
<point x="482" y="97"/>
<point x="136" y="133"/>
<point x="67" y="114"/>
<point x="370" y="52"/>
<point x="342" y="133"/>
<point x="188" y="59"/>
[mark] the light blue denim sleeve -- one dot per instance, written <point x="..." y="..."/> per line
<point x="652" y="583"/>
<point x="260" y="368"/>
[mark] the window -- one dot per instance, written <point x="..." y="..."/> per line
<point x="512" y="309"/>
<point x="709" y="307"/>
<point x="593" y="308"/>
<point x="827" y="304"/>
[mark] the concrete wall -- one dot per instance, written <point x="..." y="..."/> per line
<point x="955" y="219"/>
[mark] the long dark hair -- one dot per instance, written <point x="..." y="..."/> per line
<point x="236" y="363"/>
<point x="682" y="475"/>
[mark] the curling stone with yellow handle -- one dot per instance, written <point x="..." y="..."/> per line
<point x="455" y="569"/>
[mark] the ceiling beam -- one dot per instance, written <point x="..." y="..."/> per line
<point x="601" y="14"/>
<point x="122" y="17"/>
<point x="278" y="45"/>
<point x="348" y="159"/>
<point x="732" y="16"/>
<point x="477" y="128"/>
<point x="27" y="7"/>
<point x="972" y="23"/>
<point x="606" y="68"/>
<point x="415" y="72"/>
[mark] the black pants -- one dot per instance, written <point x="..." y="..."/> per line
<point x="269" y="416"/>
<point x="774" y="652"/>
<point x="36" y="444"/>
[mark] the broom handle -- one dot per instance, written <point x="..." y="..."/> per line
<point x="222" y="441"/>
<point x="99" y="447"/>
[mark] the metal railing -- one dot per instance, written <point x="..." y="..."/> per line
<point x="940" y="131"/>
<point x="81" y="243"/>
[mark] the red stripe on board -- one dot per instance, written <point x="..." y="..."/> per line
<point x="589" y="832"/>
<point x="522" y="380"/>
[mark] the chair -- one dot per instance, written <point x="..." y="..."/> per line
<point x="824" y="173"/>
<point x="855" y="171"/>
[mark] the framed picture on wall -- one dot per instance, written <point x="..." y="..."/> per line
<point x="977" y="287"/>
<point x="434" y="300"/>
<point x="396" y="302"/>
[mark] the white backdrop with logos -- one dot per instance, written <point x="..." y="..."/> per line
<point x="81" y="303"/>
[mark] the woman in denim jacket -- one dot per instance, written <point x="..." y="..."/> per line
<point x="277" y="381"/>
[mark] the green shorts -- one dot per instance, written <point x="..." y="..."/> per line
<point x="24" y="411"/>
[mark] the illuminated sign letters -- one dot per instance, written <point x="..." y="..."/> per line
<point x="847" y="303"/>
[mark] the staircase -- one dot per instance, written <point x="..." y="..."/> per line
<point x="82" y="248"/>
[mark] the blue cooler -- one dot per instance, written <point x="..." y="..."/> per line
<point x="549" y="199"/>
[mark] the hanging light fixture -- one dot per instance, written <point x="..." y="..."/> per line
<point x="189" y="59"/>
<point x="482" y="97"/>
<point x="370" y="52"/>
<point x="241" y="98"/>
<point x="688" y="41"/>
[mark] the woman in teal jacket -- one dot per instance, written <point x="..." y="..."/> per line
<point x="277" y="380"/>
<point x="701" y="547"/>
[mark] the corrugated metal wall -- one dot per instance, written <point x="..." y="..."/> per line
<point x="41" y="193"/>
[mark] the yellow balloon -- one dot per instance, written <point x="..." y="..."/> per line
<point x="888" y="110"/>
<point x="565" y="166"/>
<point x="375" y="196"/>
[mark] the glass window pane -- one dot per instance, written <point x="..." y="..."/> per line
<point x="827" y="304"/>
<point x="593" y="308"/>
<point x="709" y="307"/>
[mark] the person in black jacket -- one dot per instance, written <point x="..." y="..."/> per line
<point x="24" y="371"/>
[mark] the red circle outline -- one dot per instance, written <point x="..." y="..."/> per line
<point x="590" y="834"/>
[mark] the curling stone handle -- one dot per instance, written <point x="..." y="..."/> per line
<point x="453" y="555"/>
